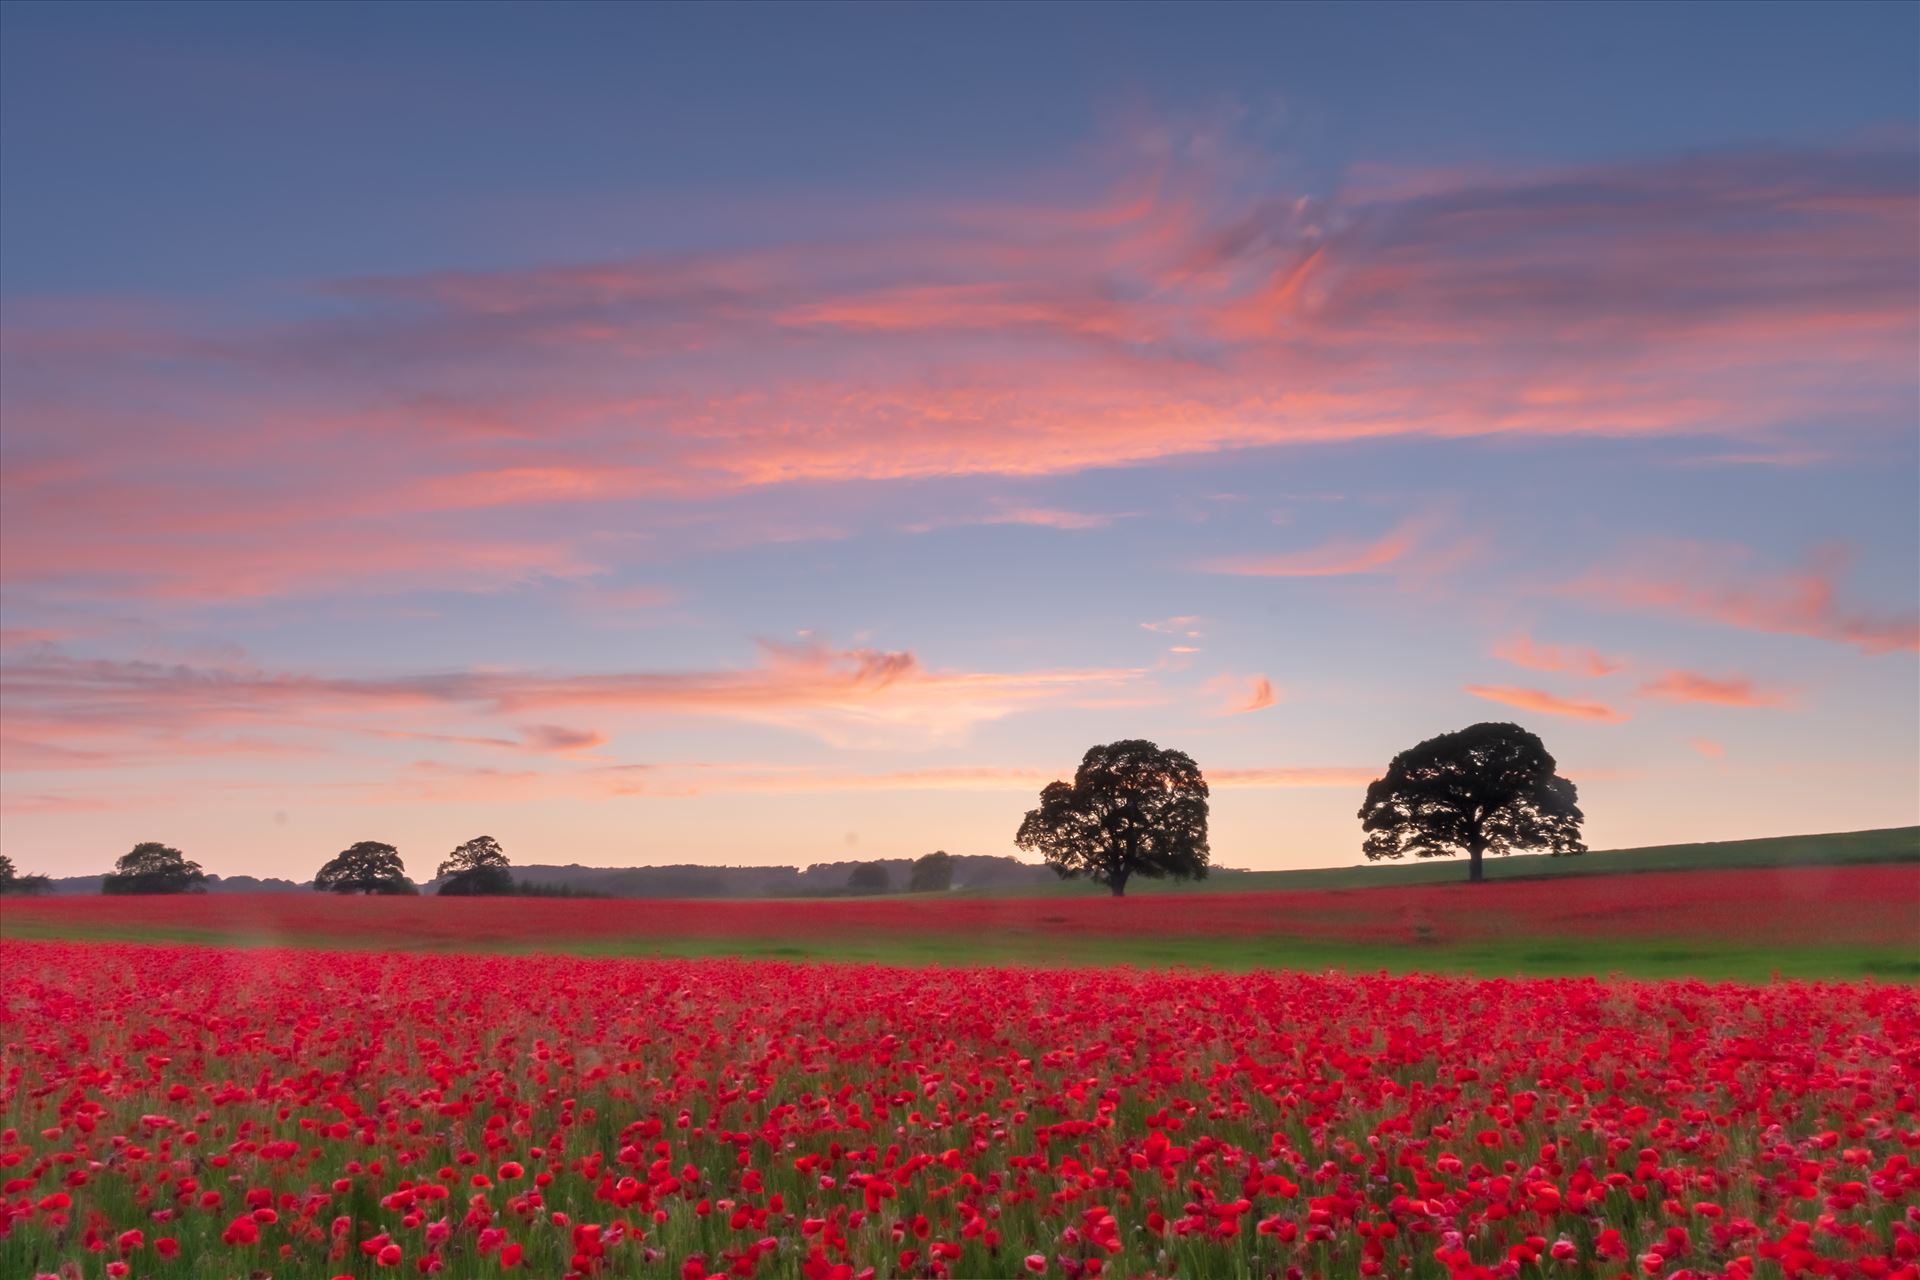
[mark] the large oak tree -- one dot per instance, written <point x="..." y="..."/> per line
<point x="152" y="867"/>
<point x="1132" y="809"/>
<point x="478" y="868"/>
<point x="366" y="867"/>
<point x="1489" y="788"/>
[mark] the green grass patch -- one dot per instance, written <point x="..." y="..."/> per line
<point x="1506" y="957"/>
<point x="1841" y="849"/>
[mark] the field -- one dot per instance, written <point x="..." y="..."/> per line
<point x="298" y="1113"/>
<point x="1794" y="921"/>
<point x="1286" y="1082"/>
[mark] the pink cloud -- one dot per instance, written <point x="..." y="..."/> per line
<point x="1715" y="584"/>
<point x="25" y="637"/>
<point x="68" y="712"/>
<point x="1523" y="651"/>
<point x="1039" y="517"/>
<point x="1238" y="695"/>
<point x="1337" y="558"/>
<point x="1547" y="703"/>
<point x="1170" y="313"/>
<point x="1728" y="691"/>
<point x="1707" y="747"/>
<point x="561" y="741"/>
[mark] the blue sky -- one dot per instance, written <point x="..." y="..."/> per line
<point x="668" y="434"/>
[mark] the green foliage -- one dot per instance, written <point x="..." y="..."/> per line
<point x="1488" y="787"/>
<point x="481" y="851"/>
<point x="152" y="867"/>
<point x="476" y="869"/>
<point x="932" y="873"/>
<point x="367" y="867"/>
<point x="478" y="882"/>
<point x="1131" y="809"/>
<point x="537" y="889"/>
<point x="869" y="877"/>
<point x="13" y="882"/>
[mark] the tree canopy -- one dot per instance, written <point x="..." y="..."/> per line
<point x="475" y="869"/>
<point x="1488" y="787"/>
<point x="1132" y="809"/>
<point x="11" y="881"/>
<point x="152" y="867"/>
<point x="869" y="877"/>
<point x="367" y="867"/>
<point x="932" y="873"/>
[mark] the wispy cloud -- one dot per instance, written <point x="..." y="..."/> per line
<point x="1707" y="747"/>
<point x="1237" y="695"/>
<point x="1719" y="584"/>
<point x="102" y="713"/>
<point x="1547" y="703"/>
<point x="1038" y="517"/>
<point x="1146" y="320"/>
<point x="1523" y="651"/>
<point x="1725" y="691"/>
<point x="1337" y="558"/>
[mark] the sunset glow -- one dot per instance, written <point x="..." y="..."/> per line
<point x="674" y="471"/>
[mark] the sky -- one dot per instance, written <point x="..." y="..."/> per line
<point x="795" y="434"/>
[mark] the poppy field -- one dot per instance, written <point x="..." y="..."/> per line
<point x="1751" y="923"/>
<point x="191" y="1111"/>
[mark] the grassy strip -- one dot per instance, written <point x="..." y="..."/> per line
<point x="1841" y="849"/>
<point x="1506" y="957"/>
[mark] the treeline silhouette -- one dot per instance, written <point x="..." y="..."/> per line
<point x="154" y="871"/>
<point x="1132" y="809"/>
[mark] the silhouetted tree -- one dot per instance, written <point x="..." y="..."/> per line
<point x="869" y="877"/>
<point x="1132" y="809"/>
<point x="152" y="867"/>
<point x="932" y="873"/>
<point x="477" y="868"/>
<point x="13" y="882"/>
<point x="367" y="867"/>
<point x="1488" y="787"/>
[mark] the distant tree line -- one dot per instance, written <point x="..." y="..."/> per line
<point x="13" y="882"/>
<point x="477" y="868"/>
<point x="930" y="873"/>
<point x="1132" y="809"/>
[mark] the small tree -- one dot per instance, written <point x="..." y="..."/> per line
<point x="870" y="877"/>
<point x="932" y="873"/>
<point x="14" y="883"/>
<point x="1131" y="809"/>
<point x="477" y="868"/>
<point x="367" y="867"/>
<point x="152" y="867"/>
<point x="1489" y="787"/>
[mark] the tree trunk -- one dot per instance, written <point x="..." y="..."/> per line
<point x="1475" y="847"/>
<point x="1117" y="882"/>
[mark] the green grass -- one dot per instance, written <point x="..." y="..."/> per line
<point x="1850" y="848"/>
<point x="1710" y="960"/>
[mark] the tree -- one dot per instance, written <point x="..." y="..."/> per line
<point x="13" y="882"/>
<point x="367" y="867"/>
<point x="870" y="877"/>
<point x="152" y="867"/>
<point x="932" y="873"/>
<point x="477" y="868"/>
<point x="1487" y="787"/>
<point x="1132" y="809"/>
